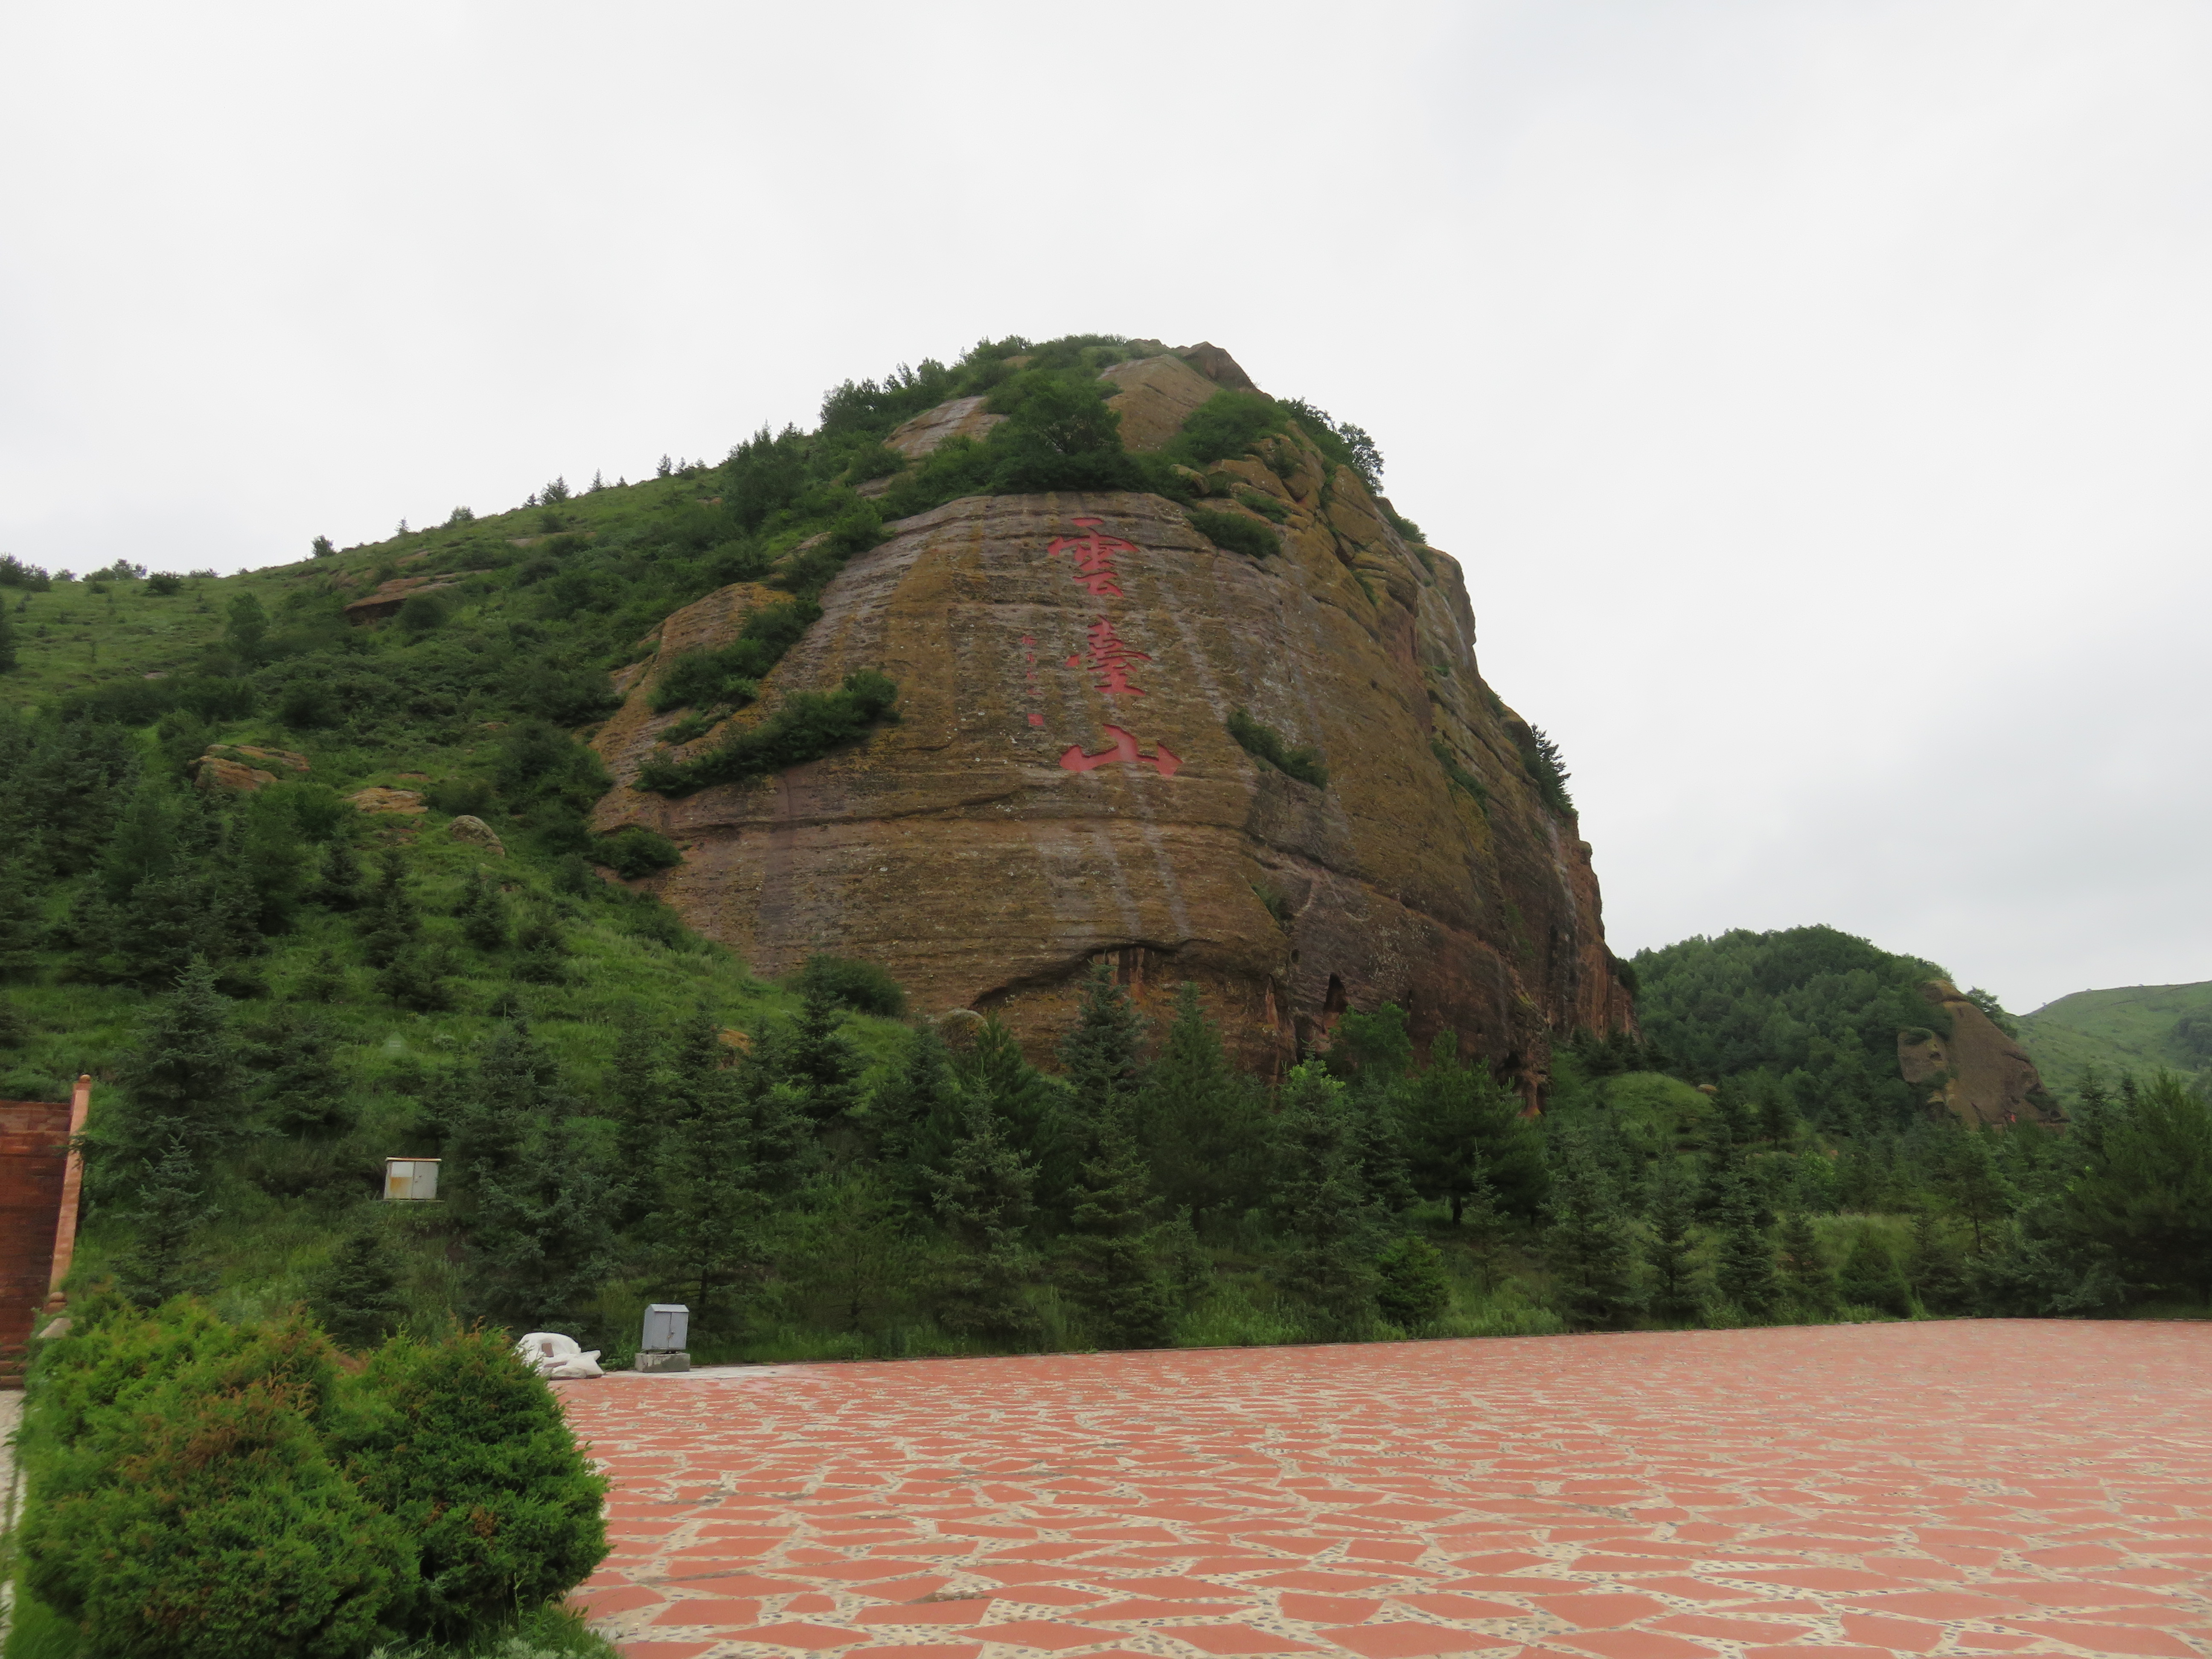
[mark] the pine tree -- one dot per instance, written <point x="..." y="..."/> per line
<point x="389" y="919"/>
<point x="160" y="1262"/>
<point x="916" y="1113"/>
<point x="1677" y="1296"/>
<point x="1808" y="1280"/>
<point x="1189" y="1270"/>
<point x="983" y="1200"/>
<point x="1112" y="1277"/>
<point x="1586" y="1245"/>
<point x="1100" y="1056"/>
<point x="1933" y="1264"/>
<point x="324" y="979"/>
<point x="1412" y="1290"/>
<point x="356" y="1297"/>
<point x="539" y="1206"/>
<point x="1321" y="1206"/>
<point x="814" y="1054"/>
<point x="22" y="932"/>
<point x="246" y="628"/>
<point x="643" y="1094"/>
<point x="1743" y="1267"/>
<point x="1971" y="1179"/>
<point x="1870" y="1277"/>
<point x="708" y="1204"/>
<point x="1380" y="1134"/>
<point x="482" y="911"/>
<point x="262" y="850"/>
<point x="420" y="980"/>
<point x="850" y="1248"/>
<point x="184" y="1088"/>
<point x="302" y="1083"/>
<point x="338" y="885"/>
<point x="1200" y="1120"/>
<point x="1482" y="1225"/>
<point x="990" y="1070"/>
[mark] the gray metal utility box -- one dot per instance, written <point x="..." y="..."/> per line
<point x="660" y="1346"/>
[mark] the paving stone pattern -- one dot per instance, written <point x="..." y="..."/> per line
<point x="1820" y="1492"/>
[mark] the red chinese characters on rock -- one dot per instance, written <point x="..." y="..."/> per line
<point x="1164" y="760"/>
<point x="1094" y="555"/>
<point x="1108" y="655"/>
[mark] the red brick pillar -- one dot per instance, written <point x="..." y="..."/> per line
<point x="72" y="1184"/>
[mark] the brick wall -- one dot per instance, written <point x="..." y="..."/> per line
<point x="33" y="1150"/>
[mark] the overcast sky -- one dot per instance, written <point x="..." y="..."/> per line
<point x="1819" y="396"/>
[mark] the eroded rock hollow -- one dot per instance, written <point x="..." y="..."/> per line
<point x="1062" y="782"/>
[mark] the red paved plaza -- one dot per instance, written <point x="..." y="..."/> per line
<point x="1959" y="1487"/>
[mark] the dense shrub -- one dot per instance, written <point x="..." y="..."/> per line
<point x="859" y="985"/>
<point x="731" y="673"/>
<point x="808" y="726"/>
<point x="183" y="1502"/>
<point x="1264" y="744"/>
<point x="466" y="1447"/>
<point x="1234" y="533"/>
<point x="1226" y="425"/>
<point x="635" y="851"/>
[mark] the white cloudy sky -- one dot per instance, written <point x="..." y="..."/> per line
<point x="1819" y="395"/>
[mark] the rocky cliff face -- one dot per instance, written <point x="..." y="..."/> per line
<point x="1062" y="783"/>
<point x="1977" y="1072"/>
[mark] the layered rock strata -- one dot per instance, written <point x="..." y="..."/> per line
<point x="1062" y="785"/>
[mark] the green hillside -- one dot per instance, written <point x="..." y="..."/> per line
<point x="2132" y="1028"/>
<point x="278" y="987"/>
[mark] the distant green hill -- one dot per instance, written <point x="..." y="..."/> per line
<point x="2132" y="1028"/>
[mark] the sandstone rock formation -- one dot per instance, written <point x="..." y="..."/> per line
<point x="216" y="772"/>
<point x="1977" y="1072"/>
<point x="252" y="755"/>
<point x="377" y="799"/>
<point x="1062" y="786"/>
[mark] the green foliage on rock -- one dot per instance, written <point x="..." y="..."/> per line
<point x="1234" y="531"/>
<point x="1267" y="747"/>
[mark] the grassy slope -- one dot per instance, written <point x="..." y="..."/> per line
<point x="2126" y="1028"/>
<point x="399" y="1063"/>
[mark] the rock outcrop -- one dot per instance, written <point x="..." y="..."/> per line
<point x="1062" y="786"/>
<point x="388" y="597"/>
<point x="1977" y="1072"/>
<point x="378" y="798"/>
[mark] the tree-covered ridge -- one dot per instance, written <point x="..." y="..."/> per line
<point x="1810" y="1013"/>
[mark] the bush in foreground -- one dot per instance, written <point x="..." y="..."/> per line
<point x="203" y="1489"/>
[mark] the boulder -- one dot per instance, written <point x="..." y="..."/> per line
<point x="377" y="799"/>
<point x="557" y="1357"/>
<point x="1061" y="786"/>
<point x="215" y="772"/>
<point x="474" y="830"/>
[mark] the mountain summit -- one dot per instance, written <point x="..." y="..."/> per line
<point x="1222" y="723"/>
